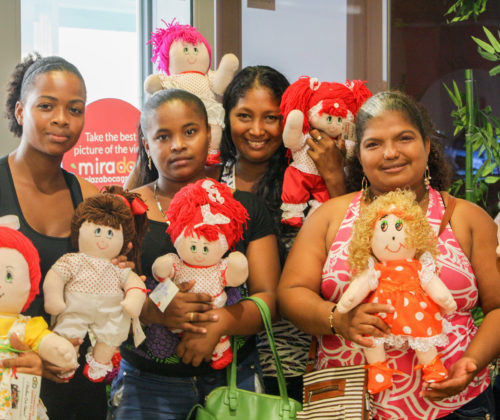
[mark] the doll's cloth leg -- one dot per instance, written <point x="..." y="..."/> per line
<point x="294" y="196"/>
<point x="111" y="325"/>
<point x="79" y="314"/>
<point x="223" y="353"/>
<point x="379" y="373"/>
<point x="434" y="371"/>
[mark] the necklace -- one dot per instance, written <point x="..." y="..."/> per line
<point x="155" y="193"/>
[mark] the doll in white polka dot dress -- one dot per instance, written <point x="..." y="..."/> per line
<point x="86" y="290"/>
<point x="395" y="231"/>
<point x="205" y="221"/>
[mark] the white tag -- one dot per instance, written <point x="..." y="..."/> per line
<point x="163" y="294"/>
<point x="25" y="392"/>
<point x="138" y="332"/>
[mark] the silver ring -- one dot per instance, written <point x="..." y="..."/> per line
<point x="317" y="139"/>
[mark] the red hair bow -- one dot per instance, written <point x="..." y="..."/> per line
<point x="137" y="206"/>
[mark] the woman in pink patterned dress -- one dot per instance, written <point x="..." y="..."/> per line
<point x="395" y="150"/>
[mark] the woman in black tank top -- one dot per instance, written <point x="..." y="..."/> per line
<point x="45" y="107"/>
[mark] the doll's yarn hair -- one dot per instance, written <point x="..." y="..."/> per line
<point x="109" y="209"/>
<point x="186" y="217"/>
<point x="163" y="37"/>
<point x="419" y="233"/>
<point x="314" y="97"/>
<point x="13" y="239"/>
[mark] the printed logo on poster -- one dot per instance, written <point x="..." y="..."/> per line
<point x="107" y="148"/>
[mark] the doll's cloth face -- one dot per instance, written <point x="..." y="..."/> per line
<point x="330" y="124"/>
<point x="99" y="240"/>
<point x="389" y="237"/>
<point x="199" y="251"/>
<point x="185" y="56"/>
<point x="15" y="282"/>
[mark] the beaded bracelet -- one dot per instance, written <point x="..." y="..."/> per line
<point x="330" y="318"/>
<point x="146" y="291"/>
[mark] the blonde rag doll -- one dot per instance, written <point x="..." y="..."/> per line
<point x="391" y="255"/>
<point x="184" y="56"/>
<point x="328" y="107"/>
<point x="205" y="222"/>
<point x="19" y="284"/>
<point x="88" y="292"/>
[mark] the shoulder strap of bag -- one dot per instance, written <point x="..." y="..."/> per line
<point x="266" y="318"/>
<point x="311" y="357"/>
<point x="449" y="202"/>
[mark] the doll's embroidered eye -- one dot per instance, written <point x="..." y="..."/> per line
<point x="193" y="248"/>
<point x="339" y="120"/>
<point x="97" y="231"/>
<point x="399" y="224"/>
<point x="109" y="233"/>
<point x="205" y="250"/>
<point x="8" y="276"/>
<point x="329" y="119"/>
<point x="384" y="225"/>
<point x="186" y="50"/>
<point x="195" y="50"/>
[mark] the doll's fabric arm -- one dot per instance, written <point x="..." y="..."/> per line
<point x="237" y="269"/>
<point x="163" y="267"/>
<point x="293" y="138"/>
<point x="358" y="289"/>
<point x="58" y="351"/>
<point x="153" y="83"/>
<point x="135" y="295"/>
<point x="53" y="291"/>
<point x="220" y="79"/>
<point x="433" y="285"/>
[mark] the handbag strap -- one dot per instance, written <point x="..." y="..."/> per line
<point x="266" y="318"/>
<point x="449" y="202"/>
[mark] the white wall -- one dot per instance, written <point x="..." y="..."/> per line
<point x="287" y="38"/>
<point x="10" y="53"/>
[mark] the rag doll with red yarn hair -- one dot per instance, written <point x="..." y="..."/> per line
<point x="328" y="107"/>
<point x="391" y="255"/>
<point x="86" y="290"/>
<point x="205" y="222"/>
<point x="184" y="56"/>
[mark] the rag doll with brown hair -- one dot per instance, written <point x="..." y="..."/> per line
<point x="391" y="256"/>
<point x="85" y="290"/>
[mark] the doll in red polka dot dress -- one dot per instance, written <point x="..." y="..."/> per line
<point x="205" y="221"/>
<point x="394" y="230"/>
<point x="86" y="290"/>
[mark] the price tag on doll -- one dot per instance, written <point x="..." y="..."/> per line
<point x="24" y="392"/>
<point x="138" y="332"/>
<point x="163" y="294"/>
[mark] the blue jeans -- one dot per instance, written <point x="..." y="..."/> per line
<point x="480" y="408"/>
<point x="149" y="396"/>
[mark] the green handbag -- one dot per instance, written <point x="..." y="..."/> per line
<point x="229" y="402"/>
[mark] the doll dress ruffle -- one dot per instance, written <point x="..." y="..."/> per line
<point x="417" y="319"/>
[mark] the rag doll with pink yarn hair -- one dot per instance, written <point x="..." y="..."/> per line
<point x="184" y="56"/>
<point x="328" y="107"/>
<point x="206" y="221"/>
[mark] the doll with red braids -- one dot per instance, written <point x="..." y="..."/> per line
<point x="184" y="56"/>
<point x="20" y="280"/>
<point x="86" y="290"/>
<point x="328" y="107"/>
<point x="205" y="222"/>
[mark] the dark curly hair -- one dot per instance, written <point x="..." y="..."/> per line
<point x="271" y="184"/>
<point x="23" y="77"/>
<point x="146" y="175"/>
<point x="417" y="115"/>
<point x="109" y="209"/>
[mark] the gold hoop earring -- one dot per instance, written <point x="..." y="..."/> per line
<point x="149" y="163"/>
<point x="427" y="177"/>
<point x="364" y="187"/>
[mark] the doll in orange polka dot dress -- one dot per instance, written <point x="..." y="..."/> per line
<point x="394" y="230"/>
<point x="205" y="221"/>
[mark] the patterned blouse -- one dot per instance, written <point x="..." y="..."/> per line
<point x="402" y="401"/>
